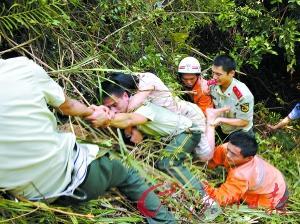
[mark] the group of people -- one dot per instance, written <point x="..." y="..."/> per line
<point x="41" y="163"/>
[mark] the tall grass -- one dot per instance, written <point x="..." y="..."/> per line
<point x="85" y="41"/>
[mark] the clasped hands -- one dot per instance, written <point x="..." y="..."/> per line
<point x="101" y="116"/>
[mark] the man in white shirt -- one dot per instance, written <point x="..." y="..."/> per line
<point x="157" y="121"/>
<point x="38" y="162"/>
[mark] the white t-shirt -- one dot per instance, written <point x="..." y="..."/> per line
<point x="35" y="159"/>
<point x="160" y="95"/>
<point x="162" y="122"/>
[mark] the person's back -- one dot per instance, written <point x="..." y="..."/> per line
<point x="38" y="163"/>
<point x="162" y="96"/>
<point x="161" y="121"/>
<point x="160" y="93"/>
<point x="29" y="143"/>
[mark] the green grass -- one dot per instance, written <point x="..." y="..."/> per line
<point x="79" y="46"/>
<point x="114" y="208"/>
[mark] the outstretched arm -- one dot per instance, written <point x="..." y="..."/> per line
<point x="211" y="116"/>
<point x="101" y="118"/>
<point x="229" y="192"/>
<point x="231" y="121"/>
<point x="281" y="124"/>
<point x="137" y="100"/>
<point x="124" y="120"/>
<point x="74" y="108"/>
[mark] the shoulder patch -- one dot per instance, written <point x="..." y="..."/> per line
<point x="245" y="107"/>
<point x="237" y="92"/>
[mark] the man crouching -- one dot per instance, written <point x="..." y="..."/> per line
<point x="250" y="178"/>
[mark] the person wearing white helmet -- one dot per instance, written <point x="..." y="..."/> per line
<point x="189" y="70"/>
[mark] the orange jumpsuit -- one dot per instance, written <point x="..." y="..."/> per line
<point x="200" y="95"/>
<point x="256" y="182"/>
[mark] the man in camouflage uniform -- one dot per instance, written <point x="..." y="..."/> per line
<point x="230" y="92"/>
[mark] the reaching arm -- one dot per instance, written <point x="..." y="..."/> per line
<point x="229" y="192"/>
<point x="231" y="121"/>
<point x="137" y="100"/>
<point x="281" y="124"/>
<point x="102" y="117"/>
<point x="294" y="114"/>
<point x="211" y="116"/>
<point x="74" y="108"/>
<point x="124" y="120"/>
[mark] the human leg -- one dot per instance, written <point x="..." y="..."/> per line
<point x="173" y="165"/>
<point x="105" y="173"/>
<point x="203" y="150"/>
<point x="177" y="150"/>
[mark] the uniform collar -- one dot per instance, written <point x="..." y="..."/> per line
<point x="228" y="90"/>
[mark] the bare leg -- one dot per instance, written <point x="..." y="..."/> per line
<point x="211" y="115"/>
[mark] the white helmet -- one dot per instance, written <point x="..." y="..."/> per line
<point x="189" y="65"/>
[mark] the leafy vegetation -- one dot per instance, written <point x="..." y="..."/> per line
<point x="79" y="41"/>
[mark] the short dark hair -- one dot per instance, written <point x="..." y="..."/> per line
<point x="245" y="142"/>
<point x="109" y="88"/>
<point x="118" y="83"/>
<point x="128" y="81"/>
<point x="226" y="62"/>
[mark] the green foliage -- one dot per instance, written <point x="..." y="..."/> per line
<point x="295" y="1"/>
<point x="32" y="15"/>
<point x="288" y="35"/>
<point x="80" y="41"/>
<point x="257" y="31"/>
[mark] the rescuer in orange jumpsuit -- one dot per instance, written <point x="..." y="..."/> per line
<point x="189" y="71"/>
<point x="250" y="178"/>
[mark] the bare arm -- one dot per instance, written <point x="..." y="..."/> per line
<point x="211" y="116"/>
<point x="124" y="120"/>
<point x="101" y="117"/>
<point x="281" y="124"/>
<point x="137" y="100"/>
<point x="74" y="108"/>
<point x="231" y="121"/>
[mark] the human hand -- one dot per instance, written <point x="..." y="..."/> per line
<point x="136" y="136"/>
<point x="271" y="128"/>
<point x="212" y="113"/>
<point x="128" y="131"/>
<point x="215" y="122"/>
<point x="105" y="109"/>
<point x="101" y="116"/>
<point x="204" y="86"/>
